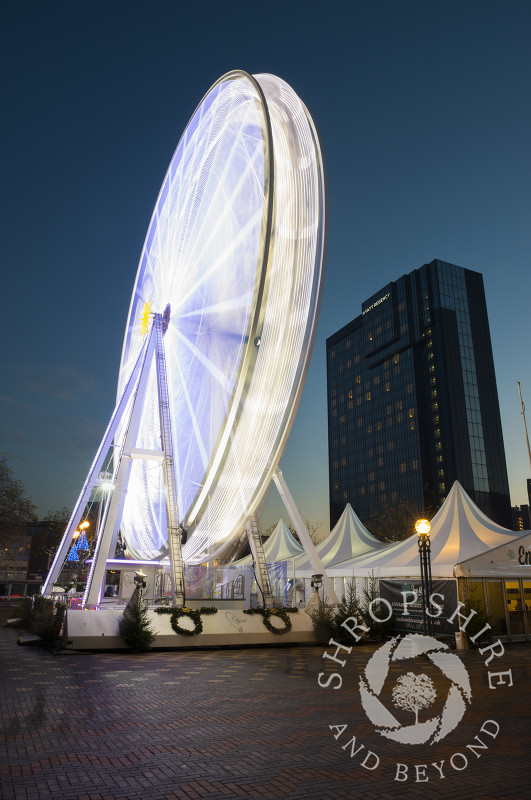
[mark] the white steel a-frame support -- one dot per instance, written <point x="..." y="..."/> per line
<point x="304" y="536"/>
<point x="128" y="414"/>
<point x="92" y="477"/>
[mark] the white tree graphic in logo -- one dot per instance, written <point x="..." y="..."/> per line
<point x="413" y="692"/>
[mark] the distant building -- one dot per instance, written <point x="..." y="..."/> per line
<point x="521" y="518"/>
<point x="14" y="556"/>
<point x="412" y="398"/>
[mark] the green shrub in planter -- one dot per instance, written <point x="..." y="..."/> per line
<point x="45" y="621"/>
<point x="323" y="619"/>
<point x="134" y="626"/>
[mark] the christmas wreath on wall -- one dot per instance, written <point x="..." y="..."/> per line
<point x="276" y="613"/>
<point x="194" y="614"/>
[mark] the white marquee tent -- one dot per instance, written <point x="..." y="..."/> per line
<point x="347" y="539"/>
<point x="280" y="546"/>
<point x="459" y="531"/>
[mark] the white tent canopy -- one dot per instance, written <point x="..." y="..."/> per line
<point x="280" y="546"/>
<point x="349" y="538"/>
<point x="512" y="560"/>
<point x="459" y="531"/>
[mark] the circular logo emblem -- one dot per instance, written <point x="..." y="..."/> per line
<point x="414" y="691"/>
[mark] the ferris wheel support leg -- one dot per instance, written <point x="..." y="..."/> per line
<point x="91" y="481"/>
<point x="257" y="549"/>
<point x="113" y="513"/>
<point x="309" y="547"/>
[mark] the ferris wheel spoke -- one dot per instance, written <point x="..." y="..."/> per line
<point x="222" y="262"/>
<point x="218" y="222"/>
<point x="205" y="361"/>
<point x="220" y="180"/>
<point x="193" y="418"/>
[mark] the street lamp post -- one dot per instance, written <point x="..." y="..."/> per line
<point x="423" y="527"/>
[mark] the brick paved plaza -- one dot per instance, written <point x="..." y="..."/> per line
<point x="248" y="723"/>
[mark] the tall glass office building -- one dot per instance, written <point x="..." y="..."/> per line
<point x="412" y="398"/>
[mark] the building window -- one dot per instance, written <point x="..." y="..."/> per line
<point x="409" y="388"/>
<point x="403" y="467"/>
<point x="415" y="463"/>
<point x="387" y="386"/>
<point x="411" y="413"/>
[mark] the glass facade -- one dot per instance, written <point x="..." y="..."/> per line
<point x="412" y="398"/>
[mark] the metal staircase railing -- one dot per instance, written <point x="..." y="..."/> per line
<point x="257" y="550"/>
<point x="168" y="465"/>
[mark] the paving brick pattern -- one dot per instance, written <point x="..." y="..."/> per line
<point x="246" y="723"/>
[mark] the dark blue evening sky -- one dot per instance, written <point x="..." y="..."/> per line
<point x="425" y="117"/>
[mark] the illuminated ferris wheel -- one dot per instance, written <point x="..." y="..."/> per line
<point x="230" y="278"/>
